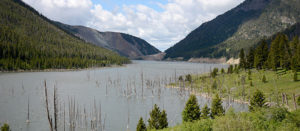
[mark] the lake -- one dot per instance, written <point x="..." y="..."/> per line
<point x="112" y="98"/>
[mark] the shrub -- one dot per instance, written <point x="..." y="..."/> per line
<point x="205" y="113"/>
<point x="264" y="79"/>
<point x="295" y="76"/>
<point x="188" y="78"/>
<point x="278" y="114"/>
<point x="214" y="73"/>
<point x="214" y="85"/>
<point x="298" y="100"/>
<point x="5" y="127"/>
<point x="251" y="83"/>
<point x="141" y="125"/>
<point x="249" y="75"/>
<point x="258" y="100"/>
<point x="222" y="71"/>
<point x="180" y="78"/>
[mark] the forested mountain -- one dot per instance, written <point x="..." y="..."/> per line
<point x="124" y="44"/>
<point x="241" y="27"/>
<point x="291" y="32"/>
<point x="29" y="40"/>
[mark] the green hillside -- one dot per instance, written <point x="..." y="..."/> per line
<point x="241" y="27"/>
<point x="29" y="40"/>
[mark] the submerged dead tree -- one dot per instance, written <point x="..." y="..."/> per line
<point x="53" y="127"/>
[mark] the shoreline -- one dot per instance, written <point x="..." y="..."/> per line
<point x="207" y="96"/>
<point x="62" y="70"/>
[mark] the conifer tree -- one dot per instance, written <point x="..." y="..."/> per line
<point x="216" y="107"/>
<point x="273" y="58"/>
<point x="191" y="111"/>
<point x="141" y="125"/>
<point x="222" y="71"/>
<point x="250" y="58"/>
<point x="205" y="113"/>
<point x="295" y="61"/>
<point x="284" y="52"/>
<point x="258" y="100"/>
<point x="154" y="118"/>
<point x="158" y="119"/>
<point x="163" y="121"/>
<point x="261" y="54"/>
<point x="242" y="59"/>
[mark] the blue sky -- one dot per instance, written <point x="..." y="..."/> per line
<point x="162" y="23"/>
<point x="112" y="4"/>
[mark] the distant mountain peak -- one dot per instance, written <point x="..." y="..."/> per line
<point x="124" y="44"/>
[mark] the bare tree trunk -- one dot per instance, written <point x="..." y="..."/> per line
<point x="55" y="108"/>
<point x="286" y="99"/>
<point x="295" y="103"/>
<point x="47" y="108"/>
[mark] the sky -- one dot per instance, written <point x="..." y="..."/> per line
<point x="162" y="23"/>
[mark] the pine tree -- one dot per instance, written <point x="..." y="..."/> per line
<point x="242" y="59"/>
<point x="273" y="58"/>
<point x="141" y="125"/>
<point x="154" y="118"/>
<point x="163" y="121"/>
<point x="250" y="58"/>
<point x="258" y="100"/>
<point x="295" y="76"/>
<point x="191" y="111"/>
<point x="205" y="114"/>
<point x="216" y="107"/>
<point x="222" y="71"/>
<point x="261" y="54"/>
<point x="230" y="69"/>
<point x="295" y="61"/>
<point x="158" y="119"/>
<point x="284" y="52"/>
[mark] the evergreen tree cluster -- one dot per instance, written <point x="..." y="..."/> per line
<point x="158" y="120"/>
<point x="29" y="41"/>
<point x="282" y="53"/>
<point x="192" y="110"/>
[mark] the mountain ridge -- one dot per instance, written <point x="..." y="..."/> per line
<point x="240" y="27"/>
<point x="124" y="44"/>
<point x="30" y="41"/>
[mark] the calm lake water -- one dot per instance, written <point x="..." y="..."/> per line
<point x="111" y="98"/>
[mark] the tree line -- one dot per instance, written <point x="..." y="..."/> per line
<point x="281" y="53"/>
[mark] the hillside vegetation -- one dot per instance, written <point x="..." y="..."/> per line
<point x="29" y="40"/>
<point x="241" y="27"/>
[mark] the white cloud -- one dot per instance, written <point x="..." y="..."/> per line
<point x="68" y="11"/>
<point x="161" y="28"/>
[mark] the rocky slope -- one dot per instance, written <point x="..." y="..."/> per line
<point x="124" y="44"/>
<point x="241" y="27"/>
